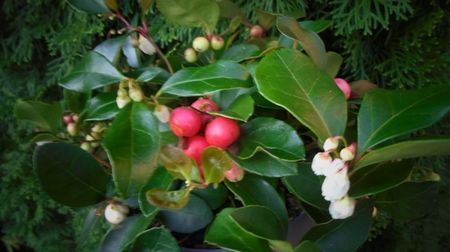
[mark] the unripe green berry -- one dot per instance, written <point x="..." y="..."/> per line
<point x="200" y="44"/>
<point x="217" y="42"/>
<point x="190" y="55"/>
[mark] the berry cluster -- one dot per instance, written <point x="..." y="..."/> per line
<point x="202" y="44"/>
<point x="336" y="183"/>
<point x="199" y="130"/>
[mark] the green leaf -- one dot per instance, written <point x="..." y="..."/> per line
<point x="197" y="81"/>
<point x="193" y="13"/>
<point x="153" y="74"/>
<point x="225" y="233"/>
<point x="378" y="178"/>
<point x="343" y="235"/>
<point x="272" y="136"/>
<point x="409" y="200"/>
<point x="214" y="196"/>
<point x="160" y="179"/>
<point x="131" y="53"/>
<point x="260" y="221"/>
<point x="225" y="98"/>
<point x="75" y="101"/>
<point x="240" y="52"/>
<point x="253" y="190"/>
<point x="45" y="137"/>
<point x="48" y="117"/>
<point x="155" y="239"/>
<point x="89" y="6"/>
<point x="94" y="71"/>
<point x="334" y="62"/>
<point x="307" y="92"/>
<point x="168" y="199"/>
<point x="307" y="246"/>
<point x="122" y="235"/>
<point x="265" y="19"/>
<point x="266" y="165"/>
<point x="111" y="49"/>
<point x="69" y="174"/>
<point x="193" y="217"/>
<point x="175" y="160"/>
<point x="406" y="149"/>
<point x="387" y="114"/>
<point x="315" y="25"/>
<point x="215" y="162"/>
<point x="306" y="186"/>
<point x="309" y="40"/>
<point x="229" y="9"/>
<point x="101" y="107"/>
<point x="132" y="143"/>
<point x="241" y="109"/>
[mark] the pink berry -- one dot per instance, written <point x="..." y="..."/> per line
<point x="234" y="174"/>
<point x="256" y="31"/>
<point x="68" y="119"/>
<point x="222" y="132"/>
<point x="194" y="148"/>
<point x="344" y="86"/>
<point x="205" y="105"/>
<point x="185" y="121"/>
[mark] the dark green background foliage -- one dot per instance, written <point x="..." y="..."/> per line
<point x="396" y="44"/>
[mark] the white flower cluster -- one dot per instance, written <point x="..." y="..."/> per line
<point x="336" y="183"/>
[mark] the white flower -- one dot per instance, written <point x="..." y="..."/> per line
<point x="122" y="101"/>
<point x="335" y="186"/>
<point x="348" y="153"/>
<point x="162" y="113"/>
<point x="335" y="166"/>
<point x="320" y="162"/>
<point x="343" y="208"/>
<point x="331" y="144"/>
<point x="116" y="213"/>
<point x="146" y="46"/>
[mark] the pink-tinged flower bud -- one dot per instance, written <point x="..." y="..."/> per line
<point x="336" y="186"/>
<point x="72" y="129"/>
<point x="116" y="213"/>
<point x="320" y="162"/>
<point x="68" y="119"/>
<point x="234" y="174"/>
<point x="331" y="144"/>
<point x="344" y="86"/>
<point x="343" y="208"/>
<point x="335" y="166"/>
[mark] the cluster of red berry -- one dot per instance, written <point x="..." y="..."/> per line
<point x="200" y="130"/>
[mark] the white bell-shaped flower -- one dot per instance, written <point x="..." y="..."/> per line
<point x="320" y="162"/>
<point x="331" y="144"/>
<point x="335" y="166"/>
<point x="343" y="208"/>
<point x="336" y="186"/>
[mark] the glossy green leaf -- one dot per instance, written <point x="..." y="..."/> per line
<point x="343" y="235"/>
<point x="122" y="235"/>
<point x="215" y="162"/>
<point x="406" y="149"/>
<point x="306" y="186"/>
<point x="69" y="174"/>
<point x="409" y="200"/>
<point x="240" y="52"/>
<point x="90" y="6"/>
<point x="101" y="107"/>
<point x="44" y="137"/>
<point x="266" y="165"/>
<point x="225" y="98"/>
<point x="307" y="246"/>
<point x="92" y="72"/>
<point x="48" y="117"/>
<point x="153" y="74"/>
<point x="193" y="217"/>
<point x="315" y="25"/>
<point x="309" y="40"/>
<point x="132" y="143"/>
<point x="174" y="160"/>
<point x="160" y="179"/>
<point x="272" y="136"/>
<point x="75" y="101"/>
<point x="253" y="190"/>
<point x="334" y="62"/>
<point x="168" y="199"/>
<point x="193" y="13"/>
<point x="111" y="48"/>
<point x="197" y="81"/>
<point x="289" y="79"/>
<point x="225" y="233"/>
<point x="131" y="53"/>
<point x="241" y="109"/>
<point x="155" y="239"/>
<point x="260" y="221"/>
<point x="387" y="114"/>
<point x="265" y="19"/>
<point x="378" y="178"/>
<point x="214" y="195"/>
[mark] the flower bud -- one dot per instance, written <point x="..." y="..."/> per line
<point x="344" y="87"/>
<point x="162" y="113"/>
<point x="72" y="129"/>
<point x="346" y="154"/>
<point x="256" y="31"/>
<point x="122" y="93"/>
<point x="234" y="174"/>
<point x="320" y="162"/>
<point x="336" y="186"/>
<point x="122" y="101"/>
<point x="190" y="55"/>
<point x="86" y="146"/>
<point x="145" y="46"/>
<point x="217" y="42"/>
<point x="75" y="117"/>
<point x="335" y="166"/>
<point x="136" y="94"/>
<point x="116" y="213"/>
<point x="68" y="119"/>
<point x="200" y="44"/>
<point x="342" y="208"/>
<point x="98" y="128"/>
<point x="331" y="144"/>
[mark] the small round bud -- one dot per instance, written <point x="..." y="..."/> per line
<point x="200" y="44"/>
<point x="116" y="213"/>
<point x="343" y="208"/>
<point x="331" y="144"/>
<point x="190" y="55"/>
<point x="72" y="129"/>
<point x="122" y="101"/>
<point x="217" y="42"/>
<point x="136" y="94"/>
<point x="256" y="31"/>
<point x="146" y="46"/>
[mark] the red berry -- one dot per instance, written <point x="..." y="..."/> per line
<point x="68" y="119"/>
<point x="344" y="86"/>
<point x="205" y="105"/>
<point x="256" y="31"/>
<point x="194" y="148"/>
<point x="221" y="132"/>
<point x="185" y="121"/>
